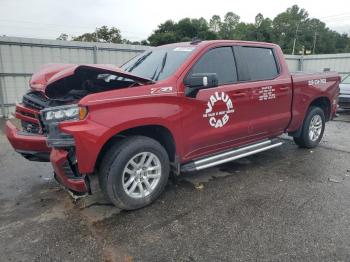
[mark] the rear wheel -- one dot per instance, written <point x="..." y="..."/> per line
<point x="134" y="172"/>
<point x="313" y="128"/>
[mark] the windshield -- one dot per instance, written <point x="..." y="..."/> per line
<point x="158" y="63"/>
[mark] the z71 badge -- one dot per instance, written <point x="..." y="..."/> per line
<point x="160" y="90"/>
<point x="218" y="118"/>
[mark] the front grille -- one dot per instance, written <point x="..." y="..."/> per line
<point x="30" y="127"/>
<point x="36" y="100"/>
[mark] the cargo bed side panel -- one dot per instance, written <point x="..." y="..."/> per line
<point x="306" y="89"/>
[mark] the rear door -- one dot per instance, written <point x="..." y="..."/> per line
<point x="271" y="89"/>
<point x="215" y="118"/>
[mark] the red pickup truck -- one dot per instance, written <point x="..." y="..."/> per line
<point x="174" y="108"/>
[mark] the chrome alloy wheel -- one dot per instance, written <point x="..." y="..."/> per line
<point x="141" y="175"/>
<point x="315" y="127"/>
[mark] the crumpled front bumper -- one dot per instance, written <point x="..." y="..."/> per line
<point x="66" y="173"/>
<point x="34" y="147"/>
<point x="31" y="146"/>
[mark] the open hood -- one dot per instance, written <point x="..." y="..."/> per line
<point x="71" y="76"/>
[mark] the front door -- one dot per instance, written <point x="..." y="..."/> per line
<point x="215" y="118"/>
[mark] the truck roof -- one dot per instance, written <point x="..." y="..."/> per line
<point x="210" y="42"/>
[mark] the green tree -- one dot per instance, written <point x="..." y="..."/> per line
<point x="309" y="35"/>
<point x="263" y="29"/>
<point x="215" y="23"/>
<point x="144" y="42"/>
<point x="290" y="29"/>
<point x="245" y="31"/>
<point x="227" y="30"/>
<point x="287" y="27"/>
<point x="63" y="37"/>
<point x="184" y="30"/>
<point x="342" y="43"/>
<point x="101" y="34"/>
<point x="259" y="18"/>
<point x="87" y="37"/>
<point x="163" y="38"/>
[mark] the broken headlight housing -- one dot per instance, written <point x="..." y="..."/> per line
<point x="64" y="113"/>
<point x="53" y="116"/>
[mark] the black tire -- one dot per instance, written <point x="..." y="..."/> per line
<point x="304" y="139"/>
<point x="107" y="161"/>
<point x="116" y="159"/>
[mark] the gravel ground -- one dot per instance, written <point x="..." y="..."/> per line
<point x="287" y="204"/>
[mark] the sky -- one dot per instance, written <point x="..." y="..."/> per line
<point x="137" y="19"/>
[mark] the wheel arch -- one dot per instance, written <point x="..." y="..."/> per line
<point x="159" y="133"/>
<point x="322" y="102"/>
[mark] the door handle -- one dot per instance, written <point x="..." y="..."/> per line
<point x="240" y="94"/>
<point x="283" y="88"/>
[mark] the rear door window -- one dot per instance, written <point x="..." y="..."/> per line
<point x="261" y="62"/>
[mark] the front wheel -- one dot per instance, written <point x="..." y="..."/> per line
<point x="135" y="172"/>
<point x="313" y="128"/>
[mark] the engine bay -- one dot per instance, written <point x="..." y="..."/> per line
<point x="83" y="83"/>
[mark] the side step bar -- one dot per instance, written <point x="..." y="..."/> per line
<point x="230" y="155"/>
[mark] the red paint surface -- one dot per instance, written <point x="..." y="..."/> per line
<point x="22" y="142"/>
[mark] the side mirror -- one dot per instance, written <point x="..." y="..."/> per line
<point x="202" y="80"/>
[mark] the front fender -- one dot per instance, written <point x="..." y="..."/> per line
<point x="102" y="124"/>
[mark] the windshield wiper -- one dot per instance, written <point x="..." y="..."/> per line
<point x="162" y="68"/>
<point x="138" y="62"/>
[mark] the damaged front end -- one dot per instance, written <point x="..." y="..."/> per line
<point x="62" y="156"/>
<point x="53" y="100"/>
<point x="66" y="170"/>
<point x="26" y="134"/>
<point x="64" y="90"/>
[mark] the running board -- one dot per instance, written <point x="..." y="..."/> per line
<point x="230" y="155"/>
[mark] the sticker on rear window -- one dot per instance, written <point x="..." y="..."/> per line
<point x="184" y="49"/>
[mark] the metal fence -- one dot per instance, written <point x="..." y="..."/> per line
<point x="293" y="62"/>
<point x="318" y="63"/>
<point x="20" y="57"/>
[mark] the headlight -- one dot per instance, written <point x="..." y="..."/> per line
<point x="63" y="113"/>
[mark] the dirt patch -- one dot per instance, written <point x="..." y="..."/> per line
<point x="112" y="255"/>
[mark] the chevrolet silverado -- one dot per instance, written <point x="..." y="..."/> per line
<point x="176" y="108"/>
